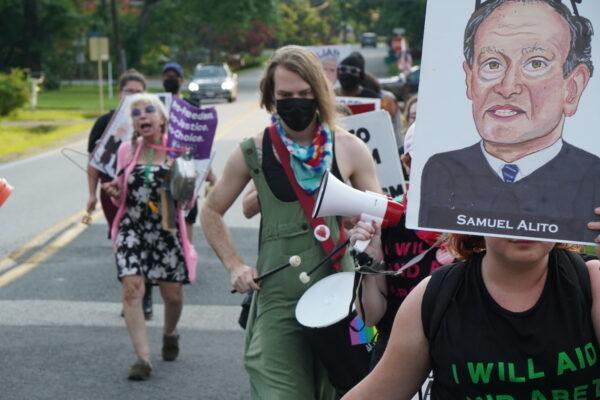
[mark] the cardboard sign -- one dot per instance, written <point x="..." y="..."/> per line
<point x="499" y="148"/>
<point x="376" y="130"/>
<point x="330" y="57"/>
<point x="193" y="128"/>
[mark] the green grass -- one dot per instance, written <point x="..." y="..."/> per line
<point x="17" y="140"/>
<point x="80" y="98"/>
<point x="47" y="115"/>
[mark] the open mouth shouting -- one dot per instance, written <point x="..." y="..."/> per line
<point x="505" y="112"/>
<point x="145" y="127"/>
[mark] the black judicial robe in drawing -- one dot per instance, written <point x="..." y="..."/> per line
<point x="461" y="192"/>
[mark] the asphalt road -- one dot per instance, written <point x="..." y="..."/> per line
<point x="61" y="336"/>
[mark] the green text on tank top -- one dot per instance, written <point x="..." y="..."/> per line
<point x="285" y="231"/>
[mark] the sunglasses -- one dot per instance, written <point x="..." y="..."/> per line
<point x="149" y="109"/>
<point x="348" y="69"/>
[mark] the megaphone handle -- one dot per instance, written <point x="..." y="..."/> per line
<point x="361" y="245"/>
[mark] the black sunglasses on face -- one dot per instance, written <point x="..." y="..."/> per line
<point x="149" y="109"/>
<point x="348" y="69"/>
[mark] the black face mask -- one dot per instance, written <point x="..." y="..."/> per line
<point x="348" y="81"/>
<point x="297" y="113"/>
<point x="171" y="85"/>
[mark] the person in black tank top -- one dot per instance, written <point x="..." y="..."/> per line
<point x="381" y="296"/>
<point x="516" y="319"/>
<point x="276" y="179"/>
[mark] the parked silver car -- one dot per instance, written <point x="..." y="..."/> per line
<point x="213" y="81"/>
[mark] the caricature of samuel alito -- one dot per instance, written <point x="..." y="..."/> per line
<point x="527" y="64"/>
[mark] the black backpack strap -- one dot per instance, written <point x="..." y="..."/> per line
<point x="579" y="274"/>
<point x="437" y="297"/>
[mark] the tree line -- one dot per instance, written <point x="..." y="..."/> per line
<point x="51" y="35"/>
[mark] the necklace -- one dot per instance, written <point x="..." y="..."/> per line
<point x="149" y="162"/>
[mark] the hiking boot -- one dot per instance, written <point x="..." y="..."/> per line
<point x="140" y="371"/>
<point x="147" y="302"/>
<point x="170" y="349"/>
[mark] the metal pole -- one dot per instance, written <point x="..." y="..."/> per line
<point x="110" y="80"/>
<point x="100" y="84"/>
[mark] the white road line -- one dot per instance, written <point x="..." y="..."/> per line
<point x="99" y="314"/>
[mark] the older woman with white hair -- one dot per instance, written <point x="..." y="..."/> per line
<point x="143" y="249"/>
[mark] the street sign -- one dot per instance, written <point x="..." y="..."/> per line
<point x="98" y="46"/>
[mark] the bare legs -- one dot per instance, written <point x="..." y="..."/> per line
<point x="172" y="294"/>
<point x="133" y="293"/>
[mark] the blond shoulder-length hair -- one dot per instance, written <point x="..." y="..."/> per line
<point x="304" y="63"/>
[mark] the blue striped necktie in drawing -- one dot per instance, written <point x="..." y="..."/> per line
<point x="509" y="172"/>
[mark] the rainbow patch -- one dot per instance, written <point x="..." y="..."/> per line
<point x="361" y="333"/>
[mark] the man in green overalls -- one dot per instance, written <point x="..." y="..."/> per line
<point x="278" y="356"/>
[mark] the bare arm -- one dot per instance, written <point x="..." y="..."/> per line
<point x="228" y="188"/>
<point x="357" y="162"/>
<point x="374" y="288"/>
<point x="405" y="363"/>
<point x="250" y="205"/>
<point x="211" y="177"/>
<point x="594" y="270"/>
<point x="92" y="178"/>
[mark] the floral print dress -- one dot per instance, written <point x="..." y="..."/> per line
<point x="143" y="247"/>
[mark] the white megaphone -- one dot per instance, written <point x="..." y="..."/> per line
<point x="335" y="198"/>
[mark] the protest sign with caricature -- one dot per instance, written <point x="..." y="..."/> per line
<point x="508" y="148"/>
<point x="119" y="129"/>
<point x="330" y="57"/>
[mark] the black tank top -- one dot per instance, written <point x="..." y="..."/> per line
<point x="400" y="245"/>
<point x="482" y="351"/>
<point x="275" y="175"/>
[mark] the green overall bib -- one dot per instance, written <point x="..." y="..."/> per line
<point x="278" y="356"/>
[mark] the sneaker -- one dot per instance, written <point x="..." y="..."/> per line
<point x="140" y="371"/>
<point x="170" y="349"/>
<point x="147" y="302"/>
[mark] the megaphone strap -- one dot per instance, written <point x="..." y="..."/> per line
<point x="307" y="202"/>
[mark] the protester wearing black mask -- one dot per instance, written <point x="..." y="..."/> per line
<point x="172" y="78"/>
<point x="297" y="113"/>
<point x="286" y="162"/>
<point x="351" y="73"/>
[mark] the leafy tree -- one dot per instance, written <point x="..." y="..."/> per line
<point x="407" y="14"/>
<point x="38" y="35"/>
<point x="300" y="23"/>
<point x="190" y="31"/>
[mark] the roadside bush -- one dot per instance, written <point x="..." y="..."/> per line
<point x="14" y="91"/>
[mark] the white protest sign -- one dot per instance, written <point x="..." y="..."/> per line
<point x="119" y="129"/>
<point x="330" y="57"/>
<point x="376" y="130"/>
<point x="350" y="101"/>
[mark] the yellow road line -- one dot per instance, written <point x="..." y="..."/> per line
<point x="233" y="123"/>
<point x="47" y="251"/>
<point x="38" y="239"/>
